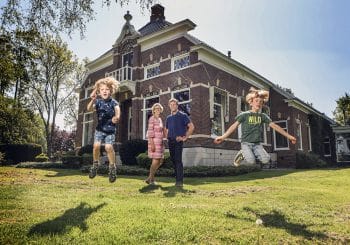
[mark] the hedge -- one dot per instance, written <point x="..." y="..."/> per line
<point x="15" y="153"/>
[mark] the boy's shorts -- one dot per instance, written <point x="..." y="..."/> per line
<point x="102" y="137"/>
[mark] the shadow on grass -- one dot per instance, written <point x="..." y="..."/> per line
<point x="278" y="220"/>
<point x="74" y="217"/>
<point x="169" y="191"/>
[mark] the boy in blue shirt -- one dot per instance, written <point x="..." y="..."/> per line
<point x="108" y="114"/>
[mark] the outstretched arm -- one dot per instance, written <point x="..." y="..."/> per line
<point x="93" y="97"/>
<point x="283" y="132"/>
<point x="116" y="117"/>
<point x="229" y="131"/>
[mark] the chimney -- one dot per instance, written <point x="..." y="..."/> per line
<point x="229" y="54"/>
<point x="157" y="13"/>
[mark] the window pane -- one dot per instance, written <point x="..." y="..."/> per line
<point x="153" y="71"/>
<point x="181" y="63"/>
<point x="151" y="102"/>
<point x="281" y="141"/>
<point x="216" y="127"/>
<point x="182" y="96"/>
<point x="186" y="108"/>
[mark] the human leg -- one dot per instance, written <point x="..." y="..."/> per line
<point x="248" y="152"/>
<point x="111" y="157"/>
<point x="261" y="154"/>
<point x="95" y="155"/>
<point x="178" y="163"/>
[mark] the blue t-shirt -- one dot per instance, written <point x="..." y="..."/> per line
<point x="177" y="124"/>
<point x="105" y="111"/>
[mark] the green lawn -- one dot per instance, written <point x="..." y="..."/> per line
<point x="66" y="207"/>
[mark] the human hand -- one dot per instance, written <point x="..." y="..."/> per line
<point x="293" y="140"/>
<point x="115" y="119"/>
<point x="218" y="140"/>
<point x="153" y="147"/>
<point x="181" y="138"/>
<point x="93" y="95"/>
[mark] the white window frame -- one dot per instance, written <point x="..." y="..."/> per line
<point x="85" y="123"/>
<point x="300" y="139"/>
<point x="224" y="106"/>
<point x="179" y="91"/>
<point x="88" y="91"/>
<point x="329" y="143"/>
<point x="144" y="113"/>
<point x="150" y="67"/>
<point x="173" y="59"/>
<point x="309" y="135"/>
<point x="274" y="136"/>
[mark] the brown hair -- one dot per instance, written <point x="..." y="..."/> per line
<point x="173" y="100"/>
<point x="255" y="93"/>
<point x="110" y="82"/>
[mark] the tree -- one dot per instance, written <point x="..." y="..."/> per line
<point x="54" y="16"/>
<point x="63" y="140"/>
<point x="52" y="82"/>
<point x="342" y="111"/>
<point x="17" y="124"/>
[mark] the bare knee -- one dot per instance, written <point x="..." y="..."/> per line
<point x="97" y="146"/>
<point x="109" y="148"/>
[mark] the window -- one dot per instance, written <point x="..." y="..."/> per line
<point x="218" y="101"/>
<point x="180" y="62"/>
<point x="88" y="128"/>
<point x="147" y="111"/>
<point x="88" y="92"/>
<point x="327" y="146"/>
<point x="281" y="142"/>
<point x="128" y="59"/>
<point x="183" y="97"/>
<point x="152" y="71"/>
<point x="299" y="136"/>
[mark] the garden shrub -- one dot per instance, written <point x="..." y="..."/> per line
<point x="42" y="157"/>
<point x="85" y="149"/>
<point x="15" y="153"/>
<point x="86" y="159"/>
<point x="145" y="162"/>
<point x="308" y="160"/>
<point x="72" y="161"/>
<point x="130" y="149"/>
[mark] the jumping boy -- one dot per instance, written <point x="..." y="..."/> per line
<point x="252" y="127"/>
<point x="108" y="114"/>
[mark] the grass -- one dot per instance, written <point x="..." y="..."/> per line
<point x="60" y="206"/>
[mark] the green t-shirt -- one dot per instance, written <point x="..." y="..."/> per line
<point x="252" y="125"/>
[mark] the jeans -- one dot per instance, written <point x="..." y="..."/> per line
<point x="251" y="151"/>
<point x="175" y="150"/>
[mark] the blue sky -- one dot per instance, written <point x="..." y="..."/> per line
<point x="299" y="44"/>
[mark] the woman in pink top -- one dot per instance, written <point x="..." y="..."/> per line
<point x="155" y="135"/>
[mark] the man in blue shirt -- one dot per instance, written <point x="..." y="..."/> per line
<point x="178" y="127"/>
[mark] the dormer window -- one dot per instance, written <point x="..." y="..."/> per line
<point x="128" y="59"/>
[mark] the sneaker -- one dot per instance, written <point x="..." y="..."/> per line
<point x="179" y="184"/>
<point x="112" y="174"/>
<point x="238" y="159"/>
<point x="93" y="172"/>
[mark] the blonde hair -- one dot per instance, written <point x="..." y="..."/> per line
<point x="255" y="93"/>
<point x="154" y="107"/>
<point x="110" y="82"/>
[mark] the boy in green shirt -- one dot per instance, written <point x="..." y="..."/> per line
<point x="252" y="127"/>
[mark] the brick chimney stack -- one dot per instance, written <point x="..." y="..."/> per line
<point x="157" y="13"/>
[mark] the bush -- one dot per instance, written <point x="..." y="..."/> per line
<point x="42" y="157"/>
<point x="309" y="160"/>
<point x="130" y="149"/>
<point x="85" y="149"/>
<point x="72" y="161"/>
<point x="16" y="153"/>
<point x="2" y="158"/>
<point x="145" y="162"/>
<point x="86" y="159"/>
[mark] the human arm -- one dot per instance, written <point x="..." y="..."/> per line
<point x="190" y="128"/>
<point x="93" y="97"/>
<point x="116" y="117"/>
<point x="151" y="134"/>
<point x="229" y="131"/>
<point x="283" y="132"/>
